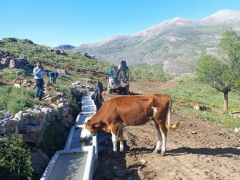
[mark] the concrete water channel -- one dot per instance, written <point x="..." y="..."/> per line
<point x="78" y="160"/>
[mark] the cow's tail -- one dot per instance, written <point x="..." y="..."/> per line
<point x="174" y="125"/>
<point x="169" y="114"/>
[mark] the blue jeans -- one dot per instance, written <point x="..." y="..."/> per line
<point x="39" y="88"/>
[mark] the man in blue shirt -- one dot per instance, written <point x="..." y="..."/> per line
<point x="39" y="73"/>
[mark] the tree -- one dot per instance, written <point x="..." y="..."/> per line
<point x="222" y="72"/>
<point x="215" y="73"/>
<point x="230" y="53"/>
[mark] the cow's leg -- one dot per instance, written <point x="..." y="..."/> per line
<point x="158" y="146"/>
<point x="114" y="141"/>
<point x="120" y="135"/>
<point x="163" y="130"/>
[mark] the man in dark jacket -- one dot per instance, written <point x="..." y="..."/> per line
<point x="97" y="96"/>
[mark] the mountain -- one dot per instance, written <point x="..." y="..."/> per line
<point x="65" y="47"/>
<point x="175" y="43"/>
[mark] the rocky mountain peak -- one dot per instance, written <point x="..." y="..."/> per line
<point x="176" y="43"/>
<point x="223" y="16"/>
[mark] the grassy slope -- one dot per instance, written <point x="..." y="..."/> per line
<point x="79" y="68"/>
<point x="189" y="91"/>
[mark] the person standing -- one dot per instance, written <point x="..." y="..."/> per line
<point x="97" y="95"/>
<point x="39" y="73"/>
<point x="99" y="86"/>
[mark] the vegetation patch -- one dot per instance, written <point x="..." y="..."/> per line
<point x="15" y="158"/>
<point x="54" y="136"/>
<point x="146" y="72"/>
<point x="189" y="91"/>
<point x="15" y="99"/>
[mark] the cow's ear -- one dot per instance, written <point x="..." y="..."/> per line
<point x="96" y="126"/>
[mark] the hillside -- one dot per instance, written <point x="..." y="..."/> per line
<point x="77" y="65"/>
<point x="80" y="66"/>
<point x="175" y="43"/>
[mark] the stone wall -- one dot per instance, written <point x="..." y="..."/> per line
<point x="31" y="122"/>
<point x="11" y="61"/>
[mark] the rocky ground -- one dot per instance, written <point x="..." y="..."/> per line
<point x="196" y="150"/>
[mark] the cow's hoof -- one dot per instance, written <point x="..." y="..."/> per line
<point x="156" y="151"/>
<point x="121" y="149"/>
<point x="163" y="153"/>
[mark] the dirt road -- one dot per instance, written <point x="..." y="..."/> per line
<point x="196" y="150"/>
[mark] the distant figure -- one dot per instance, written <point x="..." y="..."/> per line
<point x="123" y="72"/>
<point x="39" y="73"/>
<point x="99" y="86"/>
<point x="53" y="76"/>
<point x="97" y="95"/>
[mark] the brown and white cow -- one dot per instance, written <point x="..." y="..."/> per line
<point x="131" y="111"/>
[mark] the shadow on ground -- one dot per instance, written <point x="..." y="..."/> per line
<point x="113" y="165"/>
<point x="221" y="152"/>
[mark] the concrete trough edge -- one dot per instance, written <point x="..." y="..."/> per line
<point x="89" y="167"/>
<point x="92" y="157"/>
<point x="69" y="139"/>
<point x="88" y="171"/>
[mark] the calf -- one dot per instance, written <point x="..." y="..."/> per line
<point x="131" y="111"/>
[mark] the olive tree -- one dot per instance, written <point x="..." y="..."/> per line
<point x="223" y="71"/>
<point x="230" y="53"/>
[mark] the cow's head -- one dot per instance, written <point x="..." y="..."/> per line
<point x="90" y="128"/>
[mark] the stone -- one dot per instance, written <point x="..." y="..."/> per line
<point x="39" y="160"/>
<point x="46" y="113"/>
<point x="60" y="105"/>
<point x="237" y="130"/>
<point x="54" y="106"/>
<point x="12" y="63"/>
<point x="235" y="114"/>
<point x="76" y="83"/>
<point x="69" y="119"/>
<point x="200" y="107"/>
<point x="60" y="94"/>
<point x="6" y="61"/>
<point x="17" y="85"/>
<point x="62" y="71"/>
<point x="142" y="162"/>
<point x="54" y="98"/>
<point x="12" y="125"/>
<point x="7" y="115"/>
<point x="64" y="111"/>
<point x="193" y="132"/>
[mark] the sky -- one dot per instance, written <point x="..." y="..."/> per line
<point x="76" y="22"/>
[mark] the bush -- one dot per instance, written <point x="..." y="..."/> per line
<point x="54" y="136"/>
<point x="15" y="158"/>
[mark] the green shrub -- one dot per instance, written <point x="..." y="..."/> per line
<point x="15" y="158"/>
<point x="54" y="136"/>
<point x="146" y="72"/>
